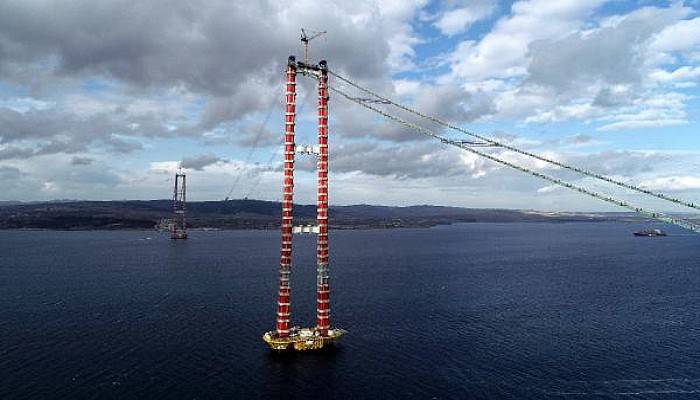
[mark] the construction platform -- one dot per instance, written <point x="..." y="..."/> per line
<point x="302" y="339"/>
<point x="178" y="236"/>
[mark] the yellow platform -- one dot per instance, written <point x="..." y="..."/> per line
<point x="302" y="339"/>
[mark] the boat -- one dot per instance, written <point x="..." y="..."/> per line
<point x="650" y="233"/>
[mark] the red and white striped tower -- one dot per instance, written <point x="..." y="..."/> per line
<point x="284" y="299"/>
<point x="286" y="337"/>
<point x="322" y="288"/>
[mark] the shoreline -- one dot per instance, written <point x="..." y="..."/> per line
<point x="332" y="228"/>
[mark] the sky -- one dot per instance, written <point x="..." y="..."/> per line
<point x="106" y="100"/>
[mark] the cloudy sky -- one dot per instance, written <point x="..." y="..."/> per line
<point x="104" y="100"/>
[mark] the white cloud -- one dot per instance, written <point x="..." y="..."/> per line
<point x="605" y="73"/>
<point x="682" y="73"/>
<point x="549" y="189"/>
<point x="642" y="123"/>
<point x="502" y="52"/>
<point x="50" y="187"/>
<point x="672" y="183"/>
<point x="682" y="36"/>
<point x="24" y="104"/>
<point x="566" y="112"/>
<point x="396" y="21"/>
<point x="406" y="87"/>
<point x="460" y="17"/>
<point x="667" y="109"/>
<point x="164" y="167"/>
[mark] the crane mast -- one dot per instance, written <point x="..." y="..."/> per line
<point x="306" y="38"/>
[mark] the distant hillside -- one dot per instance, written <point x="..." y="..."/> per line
<point x="256" y="214"/>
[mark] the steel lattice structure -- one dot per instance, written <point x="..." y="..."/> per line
<point x="178" y="226"/>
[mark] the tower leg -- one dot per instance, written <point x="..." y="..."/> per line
<point x="178" y="227"/>
<point x="174" y="222"/>
<point x="284" y="293"/>
<point x="322" y="288"/>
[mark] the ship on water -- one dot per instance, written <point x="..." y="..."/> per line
<point x="650" y="233"/>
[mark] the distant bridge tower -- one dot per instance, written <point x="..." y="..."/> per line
<point x="178" y="227"/>
<point x="286" y="336"/>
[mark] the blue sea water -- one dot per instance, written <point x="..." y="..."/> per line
<point x="532" y="310"/>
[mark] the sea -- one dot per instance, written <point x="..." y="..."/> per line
<point x="466" y="311"/>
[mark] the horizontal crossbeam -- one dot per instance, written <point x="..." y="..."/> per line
<point x="307" y="149"/>
<point x="306" y="229"/>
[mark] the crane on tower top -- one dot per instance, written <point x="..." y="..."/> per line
<point x="306" y="38"/>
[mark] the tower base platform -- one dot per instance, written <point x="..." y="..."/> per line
<point x="302" y="339"/>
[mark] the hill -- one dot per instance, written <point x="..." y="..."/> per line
<point x="257" y="214"/>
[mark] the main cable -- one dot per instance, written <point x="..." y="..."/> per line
<point x="648" y="213"/>
<point x="254" y="147"/>
<point x="517" y="150"/>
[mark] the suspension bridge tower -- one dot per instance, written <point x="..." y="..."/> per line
<point x="178" y="226"/>
<point x="286" y="336"/>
